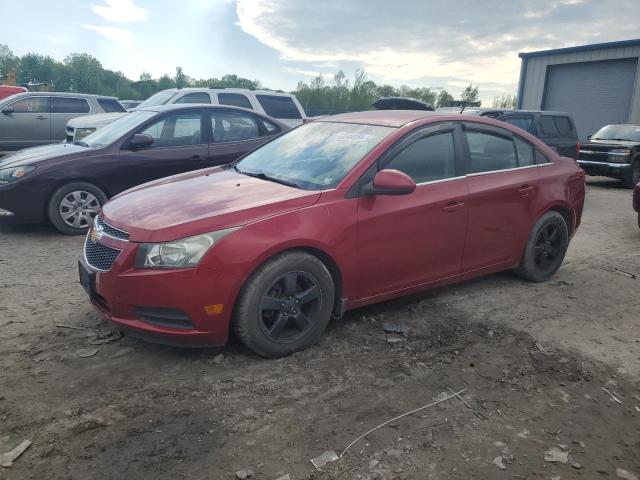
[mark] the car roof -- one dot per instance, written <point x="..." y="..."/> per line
<point x="63" y="94"/>
<point x="387" y="118"/>
<point x="228" y="89"/>
<point x="186" y="106"/>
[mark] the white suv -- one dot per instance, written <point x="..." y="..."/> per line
<point x="279" y="105"/>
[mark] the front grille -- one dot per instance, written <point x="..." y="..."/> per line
<point x="114" y="232"/>
<point x="99" y="256"/>
<point x="593" y="156"/>
<point x="164" y="317"/>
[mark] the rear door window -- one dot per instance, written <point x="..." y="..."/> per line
<point x="69" y="105"/>
<point x="563" y="124"/>
<point x="427" y="159"/>
<point x="523" y="122"/>
<point x="175" y="130"/>
<point x="541" y="158"/>
<point x="31" y="105"/>
<point x="195" y="97"/>
<point x="111" y="105"/>
<point x="525" y="153"/>
<point x="278" y="106"/>
<point x="548" y="126"/>
<point x="490" y="152"/>
<point x="230" y="126"/>
<point x="234" y="100"/>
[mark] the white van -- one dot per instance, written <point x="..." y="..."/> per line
<point x="279" y="105"/>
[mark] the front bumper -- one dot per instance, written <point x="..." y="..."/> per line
<point x="605" y="169"/>
<point x="24" y="201"/>
<point x="124" y="296"/>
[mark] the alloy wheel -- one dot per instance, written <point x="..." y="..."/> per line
<point x="77" y="209"/>
<point x="290" y="307"/>
<point x="548" y="246"/>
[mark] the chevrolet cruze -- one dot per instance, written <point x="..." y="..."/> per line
<point x="339" y="213"/>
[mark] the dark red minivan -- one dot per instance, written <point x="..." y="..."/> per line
<point x="339" y="213"/>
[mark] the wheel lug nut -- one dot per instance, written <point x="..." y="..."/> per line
<point x="282" y="305"/>
<point x="297" y="301"/>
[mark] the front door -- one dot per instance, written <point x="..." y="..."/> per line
<point x="28" y="125"/>
<point x="178" y="146"/>
<point x="503" y="187"/>
<point x="413" y="239"/>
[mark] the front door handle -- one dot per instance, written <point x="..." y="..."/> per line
<point x="197" y="158"/>
<point x="452" y="206"/>
<point x="525" y="190"/>
<point x="41" y="117"/>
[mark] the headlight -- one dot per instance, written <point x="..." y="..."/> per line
<point x="80" y="133"/>
<point x="184" y="253"/>
<point x="11" y="174"/>
<point x="619" y="154"/>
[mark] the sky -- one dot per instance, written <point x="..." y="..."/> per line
<point x="433" y="43"/>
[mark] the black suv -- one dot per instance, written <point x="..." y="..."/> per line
<point x="613" y="151"/>
<point x="556" y="129"/>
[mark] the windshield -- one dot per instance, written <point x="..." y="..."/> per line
<point x="159" y="98"/>
<point x="116" y="129"/>
<point x="314" y="156"/>
<point x="618" y="132"/>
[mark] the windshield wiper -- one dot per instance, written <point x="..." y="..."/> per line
<point x="268" y="178"/>
<point x="81" y="143"/>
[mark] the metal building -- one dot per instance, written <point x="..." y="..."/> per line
<point x="598" y="84"/>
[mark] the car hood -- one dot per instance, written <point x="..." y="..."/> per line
<point x="95" y="121"/>
<point x="31" y="156"/>
<point x="611" y="143"/>
<point x="199" y="202"/>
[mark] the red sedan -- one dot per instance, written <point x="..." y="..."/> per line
<point x="339" y="213"/>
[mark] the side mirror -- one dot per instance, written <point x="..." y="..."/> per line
<point x="140" y="140"/>
<point x="390" y="182"/>
<point x="589" y="137"/>
<point x="7" y="110"/>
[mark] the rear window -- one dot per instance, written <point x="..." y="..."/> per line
<point x="234" y="100"/>
<point x="279" y="106"/>
<point x="548" y="126"/>
<point x="195" y="97"/>
<point x="111" y="105"/>
<point x="69" y="105"/>
<point x="563" y="125"/>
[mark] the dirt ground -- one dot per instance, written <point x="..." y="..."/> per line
<point x="532" y="357"/>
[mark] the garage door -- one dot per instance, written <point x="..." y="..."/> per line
<point x="595" y="93"/>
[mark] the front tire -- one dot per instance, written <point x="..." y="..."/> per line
<point x="73" y="207"/>
<point x="633" y="178"/>
<point x="285" y="306"/>
<point x="546" y="248"/>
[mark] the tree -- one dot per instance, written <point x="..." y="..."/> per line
<point x="165" y="82"/>
<point x="9" y="63"/>
<point x="145" y="76"/>
<point x="470" y="94"/>
<point x="505" y="101"/>
<point x="180" y="80"/>
<point x="443" y="98"/>
<point x="85" y="73"/>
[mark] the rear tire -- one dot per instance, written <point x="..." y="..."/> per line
<point x="545" y="249"/>
<point x="73" y="206"/>
<point x="285" y="306"/>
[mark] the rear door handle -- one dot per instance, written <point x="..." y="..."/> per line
<point x="197" y="158"/>
<point x="452" y="206"/>
<point x="41" y="117"/>
<point x="525" y="190"/>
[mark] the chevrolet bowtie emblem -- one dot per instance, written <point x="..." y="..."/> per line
<point x="95" y="235"/>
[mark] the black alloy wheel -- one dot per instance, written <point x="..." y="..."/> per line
<point x="548" y="246"/>
<point x="290" y="307"/>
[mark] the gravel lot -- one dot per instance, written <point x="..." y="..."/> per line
<point x="533" y="358"/>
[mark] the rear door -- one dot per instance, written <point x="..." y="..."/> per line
<point x="281" y="107"/>
<point x="64" y="109"/>
<point x="178" y="146"/>
<point x="558" y="132"/>
<point x="194" y="97"/>
<point x="408" y="240"/>
<point x="503" y="188"/>
<point x="236" y="133"/>
<point x="523" y="121"/>
<point x="235" y="100"/>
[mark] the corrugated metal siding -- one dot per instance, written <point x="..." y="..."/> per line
<point x="594" y="93"/>
<point x="536" y="74"/>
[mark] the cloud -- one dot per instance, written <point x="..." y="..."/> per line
<point x="453" y="40"/>
<point x="115" y="34"/>
<point x="121" y="11"/>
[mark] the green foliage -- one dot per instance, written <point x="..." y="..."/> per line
<point x="505" y="101"/>
<point x="444" y="98"/>
<point x="469" y="94"/>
